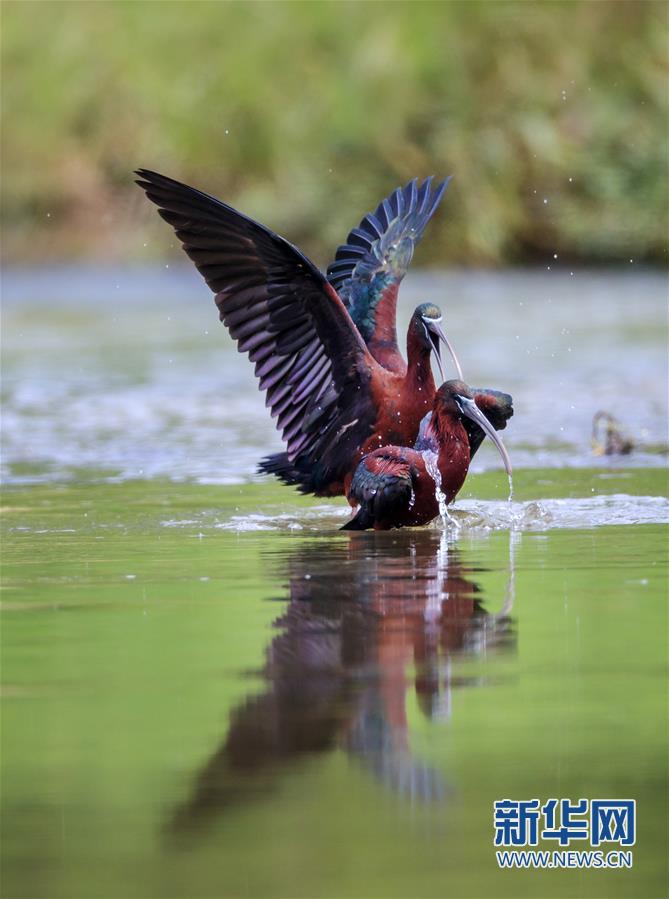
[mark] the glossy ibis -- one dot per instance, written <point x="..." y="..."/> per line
<point x="396" y="486"/>
<point x="324" y="347"/>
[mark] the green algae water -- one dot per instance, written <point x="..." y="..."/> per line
<point x="191" y="708"/>
<point x="208" y="690"/>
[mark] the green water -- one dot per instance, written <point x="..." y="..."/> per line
<point x="196" y="710"/>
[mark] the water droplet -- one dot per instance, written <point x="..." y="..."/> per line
<point x="433" y="470"/>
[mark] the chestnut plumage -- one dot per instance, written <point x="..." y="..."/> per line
<point x="396" y="486"/>
<point x="324" y="348"/>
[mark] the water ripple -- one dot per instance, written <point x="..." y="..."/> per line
<point x="486" y="515"/>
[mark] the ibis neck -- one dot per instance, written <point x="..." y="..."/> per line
<point x="452" y="447"/>
<point x="419" y="367"/>
<point x="382" y="342"/>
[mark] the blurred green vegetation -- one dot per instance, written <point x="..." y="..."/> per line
<point x="552" y="117"/>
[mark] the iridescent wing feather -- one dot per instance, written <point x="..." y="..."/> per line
<point x="281" y="310"/>
<point x="371" y="264"/>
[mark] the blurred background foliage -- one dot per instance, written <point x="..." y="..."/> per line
<point x="551" y="115"/>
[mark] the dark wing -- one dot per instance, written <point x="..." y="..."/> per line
<point x="382" y="486"/>
<point x="282" y="311"/>
<point x="369" y="267"/>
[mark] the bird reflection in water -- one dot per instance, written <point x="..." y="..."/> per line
<point x="366" y="617"/>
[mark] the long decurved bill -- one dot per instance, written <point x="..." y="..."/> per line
<point x="471" y="410"/>
<point x="436" y="335"/>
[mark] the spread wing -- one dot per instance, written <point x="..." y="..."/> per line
<point x="369" y="267"/>
<point x="281" y="310"/>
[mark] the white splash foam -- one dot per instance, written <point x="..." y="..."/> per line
<point x="546" y="514"/>
<point x="314" y="518"/>
<point x="473" y="515"/>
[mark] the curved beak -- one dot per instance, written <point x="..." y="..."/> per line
<point x="436" y="335"/>
<point x="472" y="411"/>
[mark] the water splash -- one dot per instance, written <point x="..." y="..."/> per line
<point x="430" y="458"/>
<point x="471" y="516"/>
<point x="572" y="512"/>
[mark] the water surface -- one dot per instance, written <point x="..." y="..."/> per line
<point x="208" y="690"/>
<point x="207" y="711"/>
<point x="130" y="373"/>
